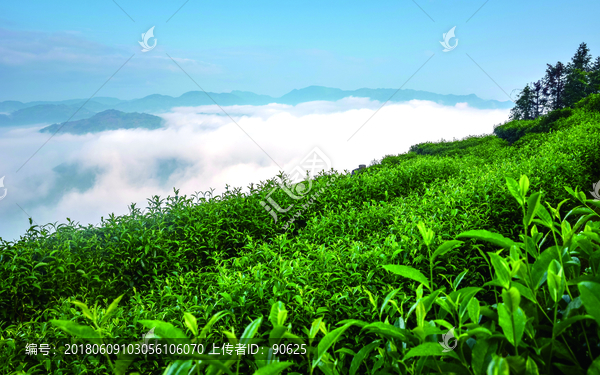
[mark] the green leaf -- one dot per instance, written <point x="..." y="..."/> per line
<point x="556" y="283"/>
<point x="594" y="369"/>
<point x="560" y="327"/>
<point x="458" y="279"/>
<point x="511" y="299"/>
<point x="84" y="309"/>
<point x="498" y="366"/>
<point x="533" y="204"/>
<point x="210" y="323"/>
<point x="491" y="237"/>
<point x="387" y="299"/>
<point x="360" y="356"/>
<point x="531" y="367"/>
<point x="427" y="349"/>
<point x="191" y="323"/>
<point x="513" y="324"/>
<point x="77" y="330"/>
<point x="590" y="297"/>
<point x="250" y="331"/>
<point x="543" y="213"/>
<point x="480" y="351"/>
<point x="111" y="309"/>
<point x="179" y="366"/>
<point x="387" y="330"/>
<point x="539" y="270"/>
<point x="278" y="314"/>
<point x="524" y="185"/>
<point x="314" y="328"/>
<point x="514" y="189"/>
<point x="464" y="296"/>
<point x="408" y="272"/>
<point x="273" y="368"/>
<point x="474" y="310"/>
<point x="427" y="234"/>
<point x="216" y="365"/>
<point x="524" y="291"/>
<point x="328" y="341"/>
<point x="502" y="269"/>
<point x="445" y="247"/>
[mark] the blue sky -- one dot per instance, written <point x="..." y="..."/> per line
<point x="69" y="49"/>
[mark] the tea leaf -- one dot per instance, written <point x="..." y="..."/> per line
<point x="511" y="299"/>
<point x="78" y="331"/>
<point x="501" y="269"/>
<point x="179" y="366"/>
<point x="191" y="323"/>
<point x="387" y="330"/>
<point x="494" y="238"/>
<point x="498" y="366"/>
<point x="111" y="309"/>
<point x="360" y="356"/>
<point x="514" y="189"/>
<point x="278" y="314"/>
<point x="590" y="297"/>
<point x="426" y="349"/>
<point x="524" y="185"/>
<point x="273" y="368"/>
<point x="513" y="324"/>
<point x="387" y="299"/>
<point x="327" y="341"/>
<point x="556" y="284"/>
<point x="594" y="368"/>
<point x="531" y="367"/>
<point x="561" y="326"/>
<point x="458" y="279"/>
<point x="533" y="203"/>
<point x="84" y="309"/>
<point x="474" y="310"/>
<point x="210" y="323"/>
<point x="408" y="272"/>
<point x="445" y="247"/>
<point x="250" y="331"/>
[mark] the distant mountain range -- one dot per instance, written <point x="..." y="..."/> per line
<point x="111" y="119"/>
<point x="13" y="113"/>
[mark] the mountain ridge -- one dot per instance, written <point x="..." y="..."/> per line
<point x="60" y="111"/>
<point x="111" y="119"/>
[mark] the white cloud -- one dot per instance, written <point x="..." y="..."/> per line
<point x="216" y="152"/>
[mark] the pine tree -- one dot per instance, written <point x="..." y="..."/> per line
<point x="523" y="109"/>
<point x="539" y="100"/>
<point x="554" y="85"/>
<point x="582" y="58"/>
<point x="594" y="78"/>
<point x="576" y="77"/>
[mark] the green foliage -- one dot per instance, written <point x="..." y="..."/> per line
<point x="589" y="103"/>
<point x="452" y="238"/>
<point x="516" y="129"/>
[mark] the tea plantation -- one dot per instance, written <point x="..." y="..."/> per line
<point x="476" y="256"/>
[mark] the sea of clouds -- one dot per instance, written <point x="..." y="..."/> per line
<point x="205" y="149"/>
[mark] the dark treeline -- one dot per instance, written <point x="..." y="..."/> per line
<point x="562" y="86"/>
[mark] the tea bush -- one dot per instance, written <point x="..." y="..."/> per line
<point x="368" y="277"/>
